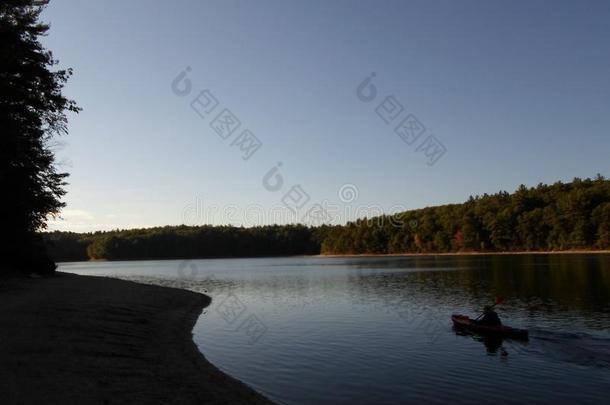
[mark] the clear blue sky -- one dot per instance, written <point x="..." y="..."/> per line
<point x="517" y="92"/>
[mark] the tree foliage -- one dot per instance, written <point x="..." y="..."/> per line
<point x="32" y="111"/>
<point x="561" y="216"/>
<point x="175" y="242"/>
<point x="553" y="217"/>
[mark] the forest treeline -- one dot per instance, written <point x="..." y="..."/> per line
<point x="556" y="217"/>
<point x="181" y="242"/>
<point x="561" y="216"/>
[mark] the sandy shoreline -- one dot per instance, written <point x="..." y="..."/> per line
<point x="95" y="340"/>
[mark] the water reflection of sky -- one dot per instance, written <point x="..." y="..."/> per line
<point x="378" y="329"/>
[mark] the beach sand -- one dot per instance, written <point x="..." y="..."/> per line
<point x="92" y="340"/>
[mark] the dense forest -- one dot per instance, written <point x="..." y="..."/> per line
<point x="556" y="217"/>
<point x="174" y="242"/>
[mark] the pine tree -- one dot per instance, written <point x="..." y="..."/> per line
<point x="32" y="111"/>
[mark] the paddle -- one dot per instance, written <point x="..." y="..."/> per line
<point x="499" y="300"/>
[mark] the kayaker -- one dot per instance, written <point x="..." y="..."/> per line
<point x="490" y="317"/>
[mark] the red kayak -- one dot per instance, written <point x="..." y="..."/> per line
<point x="464" y="322"/>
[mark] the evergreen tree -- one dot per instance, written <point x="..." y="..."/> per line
<point x="32" y="111"/>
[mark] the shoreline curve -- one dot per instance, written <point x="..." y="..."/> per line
<point x="89" y="339"/>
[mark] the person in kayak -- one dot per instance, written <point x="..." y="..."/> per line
<point x="490" y="317"/>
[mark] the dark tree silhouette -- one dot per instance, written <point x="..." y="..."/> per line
<point x="32" y="111"/>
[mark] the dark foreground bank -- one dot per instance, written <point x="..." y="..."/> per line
<point x="82" y="339"/>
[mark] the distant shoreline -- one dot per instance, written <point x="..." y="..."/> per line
<point x="322" y="255"/>
<point x="87" y="339"/>
<point x="518" y="253"/>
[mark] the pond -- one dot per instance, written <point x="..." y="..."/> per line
<point x="378" y="329"/>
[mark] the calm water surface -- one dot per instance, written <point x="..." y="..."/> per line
<point x="377" y="330"/>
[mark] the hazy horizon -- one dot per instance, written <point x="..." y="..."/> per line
<point x="252" y="214"/>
